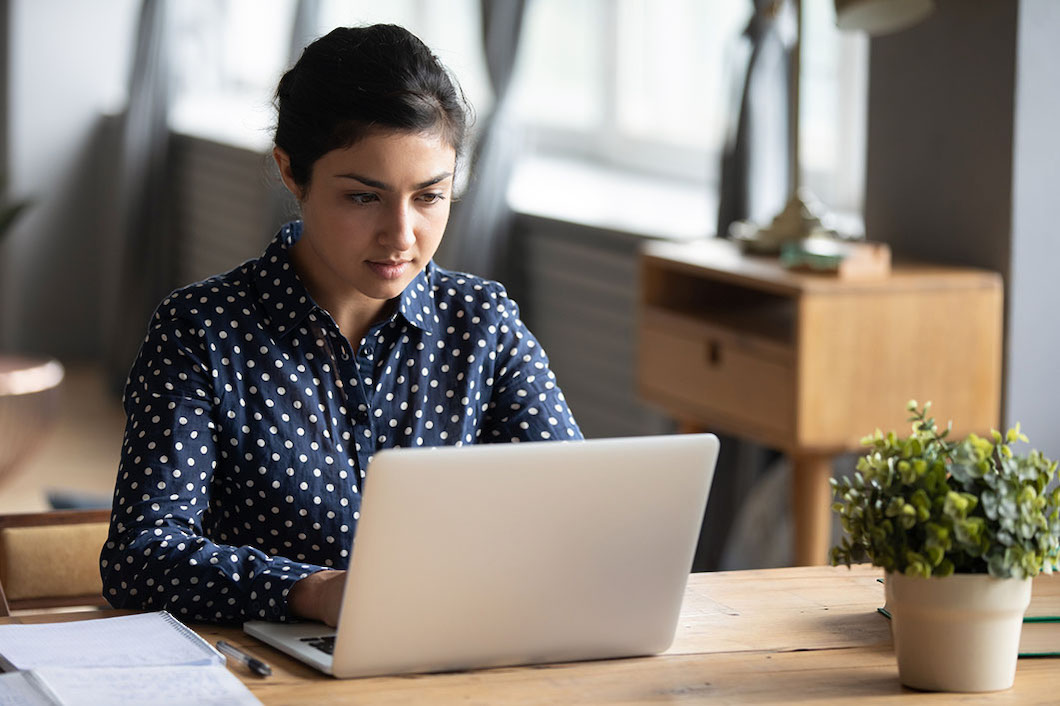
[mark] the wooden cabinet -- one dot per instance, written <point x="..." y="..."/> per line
<point x="700" y="370"/>
<point x="808" y="363"/>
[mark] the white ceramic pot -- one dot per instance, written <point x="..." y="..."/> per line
<point x="958" y="633"/>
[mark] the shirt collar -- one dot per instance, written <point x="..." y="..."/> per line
<point x="285" y="300"/>
<point x="416" y="304"/>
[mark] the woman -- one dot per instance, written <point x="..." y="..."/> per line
<point x="259" y="396"/>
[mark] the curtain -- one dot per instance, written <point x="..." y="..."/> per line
<point x="303" y="28"/>
<point x="143" y="241"/>
<point x="479" y="230"/>
<point x="754" y="168"/>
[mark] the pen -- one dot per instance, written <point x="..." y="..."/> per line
<point x="253" y="663"/>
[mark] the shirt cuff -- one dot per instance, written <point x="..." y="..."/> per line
<point x="268" y="598"/>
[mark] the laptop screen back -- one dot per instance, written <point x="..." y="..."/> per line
<point x="491" y="555"/>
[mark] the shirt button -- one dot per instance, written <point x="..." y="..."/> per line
<point x="362" y="415"/>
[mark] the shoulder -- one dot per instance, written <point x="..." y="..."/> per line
<point x="470" y="295"/>
<point x="227" y="294"/>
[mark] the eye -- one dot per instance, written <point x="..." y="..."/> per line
<point x="432" y="197"/>
<point x="363" y="198"/>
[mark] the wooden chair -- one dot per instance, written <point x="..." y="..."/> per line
<point x="51" y="559"/>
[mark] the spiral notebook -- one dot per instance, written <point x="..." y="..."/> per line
<point x="142" y="658"/>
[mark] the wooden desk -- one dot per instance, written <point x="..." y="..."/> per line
<point x="806" y="635"/>
<point x="809" y="364"/>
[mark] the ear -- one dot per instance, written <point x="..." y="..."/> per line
<point x="283" y="163"/>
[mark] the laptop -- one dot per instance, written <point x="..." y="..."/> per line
<point x="511" y="554"/>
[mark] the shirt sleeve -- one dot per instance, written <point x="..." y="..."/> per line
<point x="527" y="403"/>
<point x="157" y="555"/>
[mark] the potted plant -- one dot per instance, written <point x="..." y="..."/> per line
<point x="960" y="528"/>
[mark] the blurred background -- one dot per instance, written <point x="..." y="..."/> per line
<point x="138" y="133"/>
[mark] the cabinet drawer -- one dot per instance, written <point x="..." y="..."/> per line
<point x="738" y="381"/>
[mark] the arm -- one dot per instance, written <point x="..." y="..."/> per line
<point x="318" y="596"/>
<point x="527" y="404"/>
<point x="157" y="555"/>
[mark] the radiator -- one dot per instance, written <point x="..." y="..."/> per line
<point x="579" y="297"/>
<point x="230" y="205"/>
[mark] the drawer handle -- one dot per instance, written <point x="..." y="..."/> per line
<point x="714" y="353"/>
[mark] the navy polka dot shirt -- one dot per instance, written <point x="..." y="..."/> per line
<point x="251" y="421"/>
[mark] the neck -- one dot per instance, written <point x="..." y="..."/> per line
<point x="355" y="320"/>
<point x="353" y="312"/>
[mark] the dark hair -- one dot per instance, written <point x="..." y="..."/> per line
<point x="356" y="80"/>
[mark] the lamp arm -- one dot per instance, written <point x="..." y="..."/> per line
<point x="793" y="102"/>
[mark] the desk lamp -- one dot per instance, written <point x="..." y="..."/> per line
<point x="799" y="220"/>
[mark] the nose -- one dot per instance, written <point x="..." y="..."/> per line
<point x="397" y="229"/>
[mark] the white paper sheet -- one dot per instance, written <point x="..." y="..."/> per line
<point x="126" y="641"/>
<point x="135" y="686"/>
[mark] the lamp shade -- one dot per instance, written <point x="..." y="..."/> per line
<point x="881" y="16"/>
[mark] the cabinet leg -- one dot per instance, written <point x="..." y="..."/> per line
<point x="811" y="496"/>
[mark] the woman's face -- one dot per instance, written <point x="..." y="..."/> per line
<point x="373" y="214"/>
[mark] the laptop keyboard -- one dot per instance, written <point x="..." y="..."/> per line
<point x="324" y="644"/>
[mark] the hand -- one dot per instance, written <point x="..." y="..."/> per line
<point x="318" y="596"/>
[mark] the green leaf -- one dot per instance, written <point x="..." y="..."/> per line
<point x="934" y="555"/>
<point x="926" y="506"/>
<point x="957" y="505"/>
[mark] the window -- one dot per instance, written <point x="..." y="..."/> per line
<point x="228" y="55"/>
<point x="651" y="85"/>
<point x="832" y="122"/>
<point x="634" y="83"/>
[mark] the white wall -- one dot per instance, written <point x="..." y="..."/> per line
<point x="67" y="65"/>
<point x="963" y="167"/>
<point x="1033" y="374"/>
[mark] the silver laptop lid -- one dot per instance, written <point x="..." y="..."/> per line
<point x="492" y="555"/>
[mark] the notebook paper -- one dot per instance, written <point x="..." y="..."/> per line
<point x="125" y="686"/>
<point x="19" y="689"/>
<point x="127" y="641"/>
<point x="147" y="658"/>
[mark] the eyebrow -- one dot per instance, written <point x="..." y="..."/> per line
<point x="375" y="184"/>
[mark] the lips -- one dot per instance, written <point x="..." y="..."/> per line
<point x="389" y="269"/>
